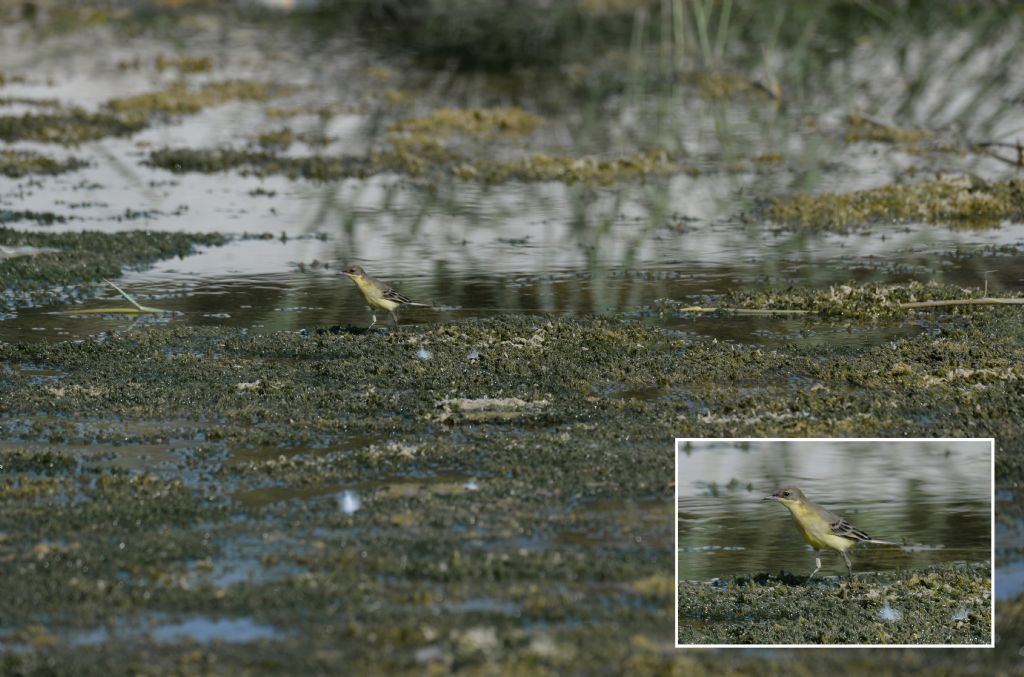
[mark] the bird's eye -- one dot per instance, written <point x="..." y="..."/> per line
<point x="786" y="494"/>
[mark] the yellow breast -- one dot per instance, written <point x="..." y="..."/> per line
<point x="373" y="296"/>
<point x="816" y="530"/>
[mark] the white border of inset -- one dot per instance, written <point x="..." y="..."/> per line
<point x="992" y="540"/>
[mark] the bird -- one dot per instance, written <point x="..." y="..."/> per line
<point x="378" y="294"/>
<point x="821" y="528"/>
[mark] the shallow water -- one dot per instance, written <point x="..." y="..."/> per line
<point x="217" y="287"/>
<point x="933" y="498"/>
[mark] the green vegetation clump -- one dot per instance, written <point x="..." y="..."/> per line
<point x="481" y="122"/>
<point x="29" y="101"/>
<point x="961" y="201"/>
<point x="278" y="139"/>
<point x="128" y="115"/>
<point x="860" y="128"/>
<point x="21" y="487"/>
<point x="724" y="86"/>
<point x="417" y="147"/>
<point x="18" y="163"/>
<point x="584" y="170"/>
<point x="27" y="460"/>
<point x="42" y="218"/>
<point x="415" y="157"/>
<point x="324" y="112"/>
<point x="185" y="64"/>
<point x="259" y="163"/>
<point x="70" y="127"/>
<point x="179" y="98"/>
<point x="854" y="301"/>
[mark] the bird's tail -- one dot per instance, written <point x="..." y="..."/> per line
<point x="419" y="305"/>
<point x="877" y="541"/>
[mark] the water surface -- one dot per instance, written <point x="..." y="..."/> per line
<point x="933" y="498"/>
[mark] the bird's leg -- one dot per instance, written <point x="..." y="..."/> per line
<point x="817" y="566"/>
<point x="395" y="318"/>
<point x="849" y="567"/>
<point x="373" y="315"/>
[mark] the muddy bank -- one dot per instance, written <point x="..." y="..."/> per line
<point x="939" y="605"/>
<point x="960" y="376"/>
<point x="480" y="493"/>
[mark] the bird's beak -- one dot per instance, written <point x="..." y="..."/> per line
<point x="770" y="498"/>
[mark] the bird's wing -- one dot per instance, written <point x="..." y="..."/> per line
<point x="392" y="294"/>
<point x="841" y="527"/>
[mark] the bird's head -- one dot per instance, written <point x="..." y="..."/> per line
<point x="787" y="496"/>
<point x="354" y="271"/>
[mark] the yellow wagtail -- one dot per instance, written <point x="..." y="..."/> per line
<point x="378" y="294"/>
<point x="821" y="528"/>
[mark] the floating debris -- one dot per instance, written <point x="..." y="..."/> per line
<point x="486" y="409"/>
<point x="135" y="309"/>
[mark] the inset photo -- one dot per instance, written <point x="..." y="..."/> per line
<point x="835" y="542"/>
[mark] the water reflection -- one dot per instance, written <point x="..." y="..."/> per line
<point x="932" y="497"/>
